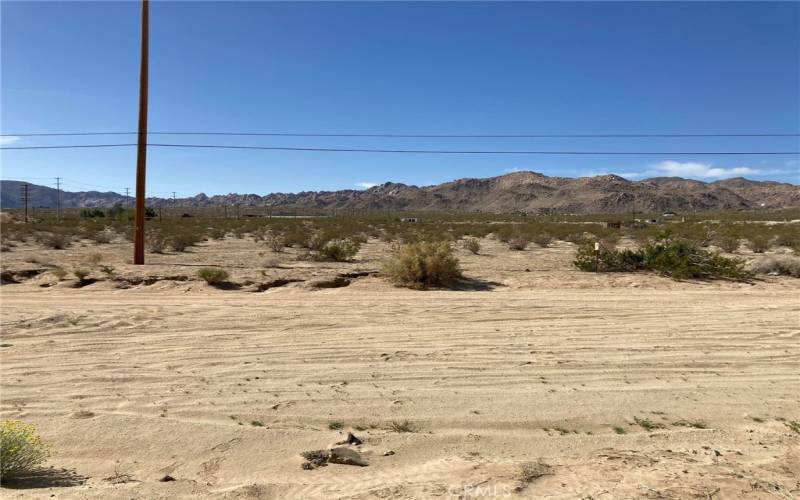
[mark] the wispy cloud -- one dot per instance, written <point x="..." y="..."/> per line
<point x="9" y="139"/>
<point x="693" y="170"/>
<point x="365" y="185"/>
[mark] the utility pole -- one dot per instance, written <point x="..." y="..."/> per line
<point x="174" y="201"/>
<point x="58" y="199"/>
<point x="25" y="196"/>
<point x="141" y="149"/>
<point x="127" y="198"/>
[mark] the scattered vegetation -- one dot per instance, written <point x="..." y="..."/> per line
<point x="21" y="449"/>
<point x="647" y="424"/>
<point x="257" y="423"/>
<point x="55" y="241"/>
<point x="619" y="430"/>
<point x="542" y="239"/>
<point x="213" y="275"/>
<point x="335" y="425"/>
<point x="518" y="242"/>
<point x="696" y="424"/>
<point x="81" y="274"/>
<point x="339" y="250"/>
<point x="793" y="425"/>
<point x="423" y="265"/>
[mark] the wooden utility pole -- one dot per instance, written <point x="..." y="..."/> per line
<point x="25" y="194"/>
<point x="141" y="149"/>
<point x="58" y="199"/>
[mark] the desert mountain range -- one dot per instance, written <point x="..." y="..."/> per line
<point x="529" y="192"/>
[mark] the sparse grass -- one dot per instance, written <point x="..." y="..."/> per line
<point x="404" y="426"/>
<point x="696" y="424"/>
<point x="335" y="425"/>
<point x="213" y="275"/>
<point x="793" y="425"/>
<point x="647" y="424"/>
<point x="423" y="265"/>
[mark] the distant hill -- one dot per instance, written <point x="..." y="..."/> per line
<point x="515" y="192"/>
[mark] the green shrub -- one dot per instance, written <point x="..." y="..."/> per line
<point x="21" y="449"/>
<point x="422" y="265"/>
<point x="81" y="274"/>
<point x="472" y="245"/>
<point x="156" y="243"/>
<point x="180" y="242"/>
<point x="339" y="250"/>
<point x="758" y="243"/>
<point x="213" y="275"/>
<point x="679" y="259"/>
<point x="728" y="243"/>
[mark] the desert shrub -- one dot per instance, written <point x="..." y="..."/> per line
<point x="575" y="238"/>
<point x="81" y="274"/>
<point x="542" y="239"/>
<point x="56" y="241"/>
<point x="216" y="233"/>
<point x="156" y="243"/>
<point x="472" y="245"/>
<point x="21" y="449"/>
<point x="59" y="273"/>
<point x="422" y="265"/>
<point x="786" y="240"/>
<point x="339" y="250"/>
<point x="101" y="237"/>
<point x="91" y="213"/>
<point x="518" y="242"/>
<point x="275" y="242"/>
<point x="213" y="275"/>
<point x="677" y="258"/>
<point x="180" y="242"/>
<point x="5" y="248"/>
<point x="758" y="243"/>
<point x="785" y="265"/>
<point x="727" y="242"/>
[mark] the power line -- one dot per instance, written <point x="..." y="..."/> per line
<point x="412" y="151"/>
<point x="413" y="136"/>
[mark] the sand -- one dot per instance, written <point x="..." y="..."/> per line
<point x="522" y="384"/>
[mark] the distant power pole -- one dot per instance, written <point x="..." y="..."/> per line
<point x="127" y="198"/>
<point x="58" y="199"/>
<point x="25" y="196"/>
<point x="174" y="200"/>
<point x="141" y="149"/>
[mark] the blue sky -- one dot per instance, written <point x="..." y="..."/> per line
<point x="429" y="68"/>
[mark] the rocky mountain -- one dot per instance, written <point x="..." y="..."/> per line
<point x="529" y="192"/>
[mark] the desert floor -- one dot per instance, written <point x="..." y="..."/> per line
<point x="531" y="380"/>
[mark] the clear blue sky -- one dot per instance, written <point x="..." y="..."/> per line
<point x="655" y="67"/>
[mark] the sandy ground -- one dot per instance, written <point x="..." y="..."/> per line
<point x="526" y="383"/>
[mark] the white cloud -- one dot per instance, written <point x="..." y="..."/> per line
<point x="365" y="185"/>
<point x="9" y="139"/>
<point x="511" y="170"/>
<point x="701" y="170"/>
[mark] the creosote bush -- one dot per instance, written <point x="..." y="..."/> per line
<point x="338" y="250"/>
<point x="423" y="265"/>
<point x="21" y="449"/>
<point x="56" y="241"/>
<point x="677" y="258"/>
<point x="542" y="239"/>
<point x="758" y="243"/>
<point x="472" y="245"/>
<point x="180" y="242"/>
<point x="213" y="275"/>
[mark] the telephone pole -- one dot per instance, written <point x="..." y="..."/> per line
<point x="127" y="198"/>
<point x="58" y="199"/>
<point x="25" y="196"/>
<point x="141" y="149"/>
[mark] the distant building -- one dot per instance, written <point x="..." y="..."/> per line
<point x="668" y="215"/>
<point x="409" y="219"/>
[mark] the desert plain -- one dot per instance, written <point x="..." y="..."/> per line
<point x="530" y="380"/>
